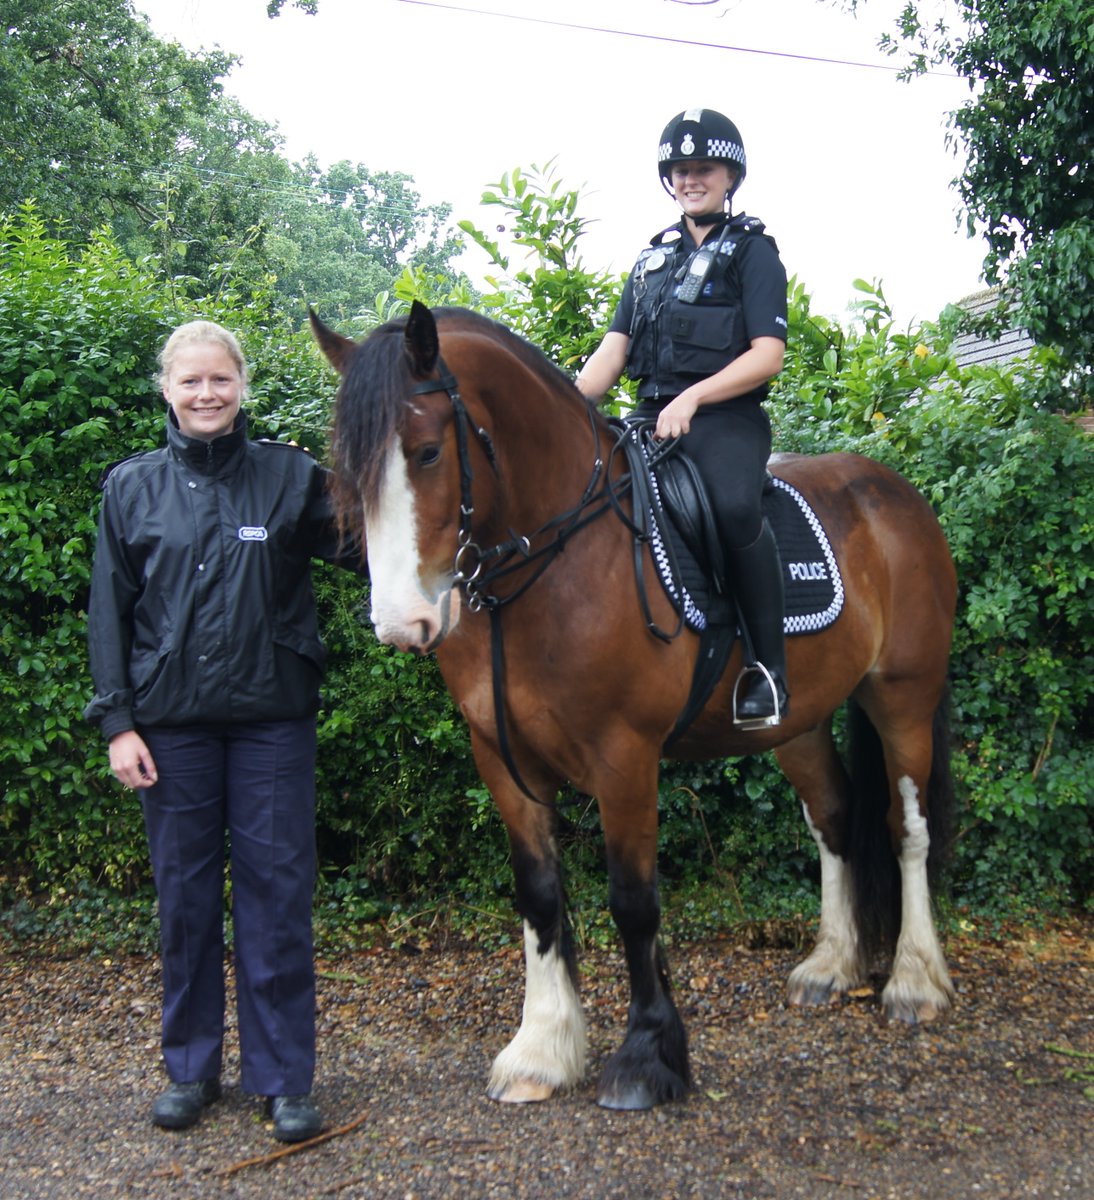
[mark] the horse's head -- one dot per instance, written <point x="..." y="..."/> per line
<point x="397" y="468"/>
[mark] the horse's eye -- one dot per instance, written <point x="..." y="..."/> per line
<point x="428" y="455"/>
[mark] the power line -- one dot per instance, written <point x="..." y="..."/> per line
<point x="657" y="37"/>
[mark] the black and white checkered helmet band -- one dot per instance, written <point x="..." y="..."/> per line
<point x="718" y="148"/>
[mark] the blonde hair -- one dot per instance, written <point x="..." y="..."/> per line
<point x="196" y="333"/>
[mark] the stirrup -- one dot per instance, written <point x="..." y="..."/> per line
<point x="775" y="716"/>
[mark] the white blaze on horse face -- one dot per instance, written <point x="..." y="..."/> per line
<point x="407" y="611"/>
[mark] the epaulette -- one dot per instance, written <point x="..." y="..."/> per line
<point x="746" y="224"/>
<point x="108" y="470"/>
<point x="284" y="445"/>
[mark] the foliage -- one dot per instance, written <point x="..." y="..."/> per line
<point x="90" y="101"/>
<point x="75" y="396"/>
<point x="103" y="124"/>
<point x="1014" y="489"/>
<point x="345" y="235"/>
<point x="552" y="299"/>
<point x="1026" y="132"/>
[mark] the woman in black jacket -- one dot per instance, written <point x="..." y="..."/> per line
<point x="206" y="660"/>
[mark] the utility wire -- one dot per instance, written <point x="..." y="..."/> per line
<point x="657" y="37"/>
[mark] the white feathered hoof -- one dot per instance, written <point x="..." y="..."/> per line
<point x="520" y="1091"/>
<point x="916" y="1006"/>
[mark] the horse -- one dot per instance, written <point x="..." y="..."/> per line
<point x="484" y="488"/>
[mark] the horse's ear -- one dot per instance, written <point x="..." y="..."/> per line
<point x="420" y="341"/>
<point x="335" y="347"/>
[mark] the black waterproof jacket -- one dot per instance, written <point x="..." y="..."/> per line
<point x="201" y="597"/>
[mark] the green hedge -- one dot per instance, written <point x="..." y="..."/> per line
<point x="404" y="822"/>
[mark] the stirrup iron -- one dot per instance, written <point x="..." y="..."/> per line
<point x="776" y="715"/>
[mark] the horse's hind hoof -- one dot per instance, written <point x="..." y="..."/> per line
<point x="631" y="1097"/>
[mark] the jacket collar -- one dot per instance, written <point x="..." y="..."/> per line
<point x="218" y="457"/>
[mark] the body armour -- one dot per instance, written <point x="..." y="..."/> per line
<point x="675" y="340"/>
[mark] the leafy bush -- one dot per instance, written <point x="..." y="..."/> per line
<point x="76" y="336"/>
<point x="1013" y="484"/>
<point x="404" y="824"/>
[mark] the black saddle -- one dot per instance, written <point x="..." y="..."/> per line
<point x="674" y="518"/>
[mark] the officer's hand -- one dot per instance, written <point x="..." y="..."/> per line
<point x="674" y="419"/>
<point x="131" y="760"/>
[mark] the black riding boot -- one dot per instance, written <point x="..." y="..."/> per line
<point x="760" y="697"/>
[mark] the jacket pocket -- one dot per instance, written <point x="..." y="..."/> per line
<point x="702" y="338"/>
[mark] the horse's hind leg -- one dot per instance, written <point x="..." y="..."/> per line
<point x="837" y="963"/>
<point x="547" y="1054"/>
<point x="919" y="987"/>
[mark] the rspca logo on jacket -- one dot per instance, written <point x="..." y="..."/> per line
<point x="253" y="533"/>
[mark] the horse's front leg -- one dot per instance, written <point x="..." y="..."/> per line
<point x="652" y="1064"/>
<point x="547" y="1055"/>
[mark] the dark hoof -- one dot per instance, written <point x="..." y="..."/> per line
<point x="631" y="1097"/>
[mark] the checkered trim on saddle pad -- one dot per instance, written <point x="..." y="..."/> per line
<point x="811" y="577"/>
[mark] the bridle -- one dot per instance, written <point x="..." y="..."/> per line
<point x="476" y="570"/>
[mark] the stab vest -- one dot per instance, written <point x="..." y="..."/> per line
<point x="674" y="342"/>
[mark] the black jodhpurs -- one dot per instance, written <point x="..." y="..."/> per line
<point x="730" y="443"/>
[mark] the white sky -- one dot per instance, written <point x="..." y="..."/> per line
<point x="846" y="165"/>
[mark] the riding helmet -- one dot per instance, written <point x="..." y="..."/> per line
<point x="700" y="133"/>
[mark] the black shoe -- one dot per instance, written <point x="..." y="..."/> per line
<point x="295" y="1118"/>
<point x="760" y="699"/>
<point x="181" y="1105"/>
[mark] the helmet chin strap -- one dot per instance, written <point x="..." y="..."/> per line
<point x="716" y="218"/>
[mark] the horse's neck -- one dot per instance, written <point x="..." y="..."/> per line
<point x="546" y="446"/>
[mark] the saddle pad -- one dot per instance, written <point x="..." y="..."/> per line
<point x="811" y="578"/>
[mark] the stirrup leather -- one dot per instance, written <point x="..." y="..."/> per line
<point x="776" y="715"/>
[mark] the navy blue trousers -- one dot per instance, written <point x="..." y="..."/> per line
<point x="256" y="784"/>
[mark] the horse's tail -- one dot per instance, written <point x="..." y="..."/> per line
<point x="875" y="869"/>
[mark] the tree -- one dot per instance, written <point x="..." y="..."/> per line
<point x="1027" y="133"/>
<point x="340" y="237"/>
<point x="551" y="298"/>
<point x="90" y="102"/>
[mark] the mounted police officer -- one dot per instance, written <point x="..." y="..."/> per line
<point x="702" y="329"/>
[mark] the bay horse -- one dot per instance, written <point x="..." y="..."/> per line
<point x="480" y="481"/>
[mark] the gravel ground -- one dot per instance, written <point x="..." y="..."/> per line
<point x="998" y="1101"/>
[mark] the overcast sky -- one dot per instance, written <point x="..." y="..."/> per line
<point x="846" y="165"/>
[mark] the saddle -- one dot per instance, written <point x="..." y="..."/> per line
<point x="674" y="517"/>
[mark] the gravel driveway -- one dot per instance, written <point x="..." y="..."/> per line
<point x="998" y="1101"/>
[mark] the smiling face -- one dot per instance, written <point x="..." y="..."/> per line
<point x="204" y="388"/>
<point x="700" y="187"/>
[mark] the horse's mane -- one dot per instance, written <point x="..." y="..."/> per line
<point x="369" y="408"/>
<point x="529" y="354"/>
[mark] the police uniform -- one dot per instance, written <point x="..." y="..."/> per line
<point x="675" y="343"/>
<point x="688" y="311"/>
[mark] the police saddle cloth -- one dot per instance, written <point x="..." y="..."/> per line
<point x="673" y="516"/>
